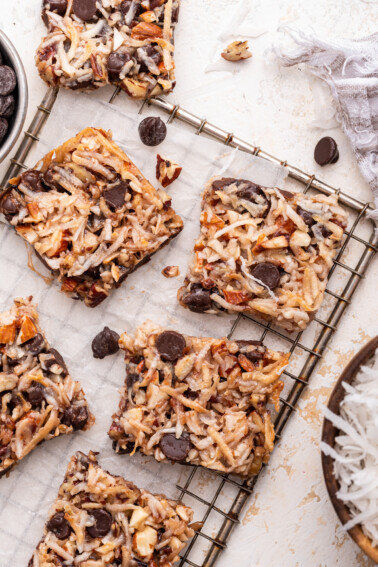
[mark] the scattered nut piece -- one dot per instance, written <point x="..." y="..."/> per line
<point x="166" y="171"/>
<point x="170" y="271"/>
<point x="237" y="51"/>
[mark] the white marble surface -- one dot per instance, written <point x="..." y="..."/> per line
<point x="289" y="521"/>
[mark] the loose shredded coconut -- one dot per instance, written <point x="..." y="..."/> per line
<point x="356" y="450"/>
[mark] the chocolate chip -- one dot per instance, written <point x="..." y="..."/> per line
<point x="95" y="296"/>
<point x="254" y="355"/>
<point x="9" y="205"/>
<point x="56" y="358"/>
<point x="7" y="105"/>
<point x="105" y="343"/>
<point x="175" y="449"/>
<point x="170" y="345"/>
<point x="254" y="194"/>
<point x="84" y="9"/>
<point x="131" y="379"/>
<point x="222" y="183"/>
<point x="58" y="6"/>
<point x="267" y="273"/>
<point x="77" y="416"/>
<point x="286" y="194"/>
<point x="306" y="216"/>
<point x="103" y="522"/>
<point x="3" y="128"/>
<point x="243" y="343"/>
<point x="59" y="526"/>
<point x="8" y="80"/>
<point x="50" y="180"/>
<point x="198" y="300"/>
<point x="36" y="344"/>
<point x="326" y="151"/>
<point x="36" y="394"/>
<point x="150" y="52"/>
<point x="115" y="197"/>
<point x="152" y="131"/>
<point x="33" y="180"/>
<point x="115" y="63"/>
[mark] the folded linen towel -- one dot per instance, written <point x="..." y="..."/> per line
<point x="350" y="68"/>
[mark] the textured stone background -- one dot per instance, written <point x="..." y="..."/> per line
<point x="289" y="522"/>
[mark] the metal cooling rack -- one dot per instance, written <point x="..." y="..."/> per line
<point x="326" y="324"/>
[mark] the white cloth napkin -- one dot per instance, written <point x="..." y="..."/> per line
<point x="350" y="68"/>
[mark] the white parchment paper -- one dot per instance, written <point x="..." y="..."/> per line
<point x="70" y="326"/>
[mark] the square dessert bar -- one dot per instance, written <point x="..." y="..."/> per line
<point x="99" y="519"/>
<point x="263" y="251"/>
<point x="91" y="43"/>
<point x="200" y="401"/>
<point x="90" y="215"/>
<point x="38" y="398"/>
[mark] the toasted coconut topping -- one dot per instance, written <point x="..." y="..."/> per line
<point x="128" y="43"/>
<point x="90" y="215"/>
<point x="263" y="251"/>
<point x="201" y="401"/>
<point x="101" y="519"/>
<point x="38" y="398"/>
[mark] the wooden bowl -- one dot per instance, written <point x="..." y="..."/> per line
<point x="328" y="436"/>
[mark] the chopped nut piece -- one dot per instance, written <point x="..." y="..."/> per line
<point x="170" y="271"/>
<point x="237" y="51"/>
<point x="166" y="171"/>
<point x="109" y="517"/>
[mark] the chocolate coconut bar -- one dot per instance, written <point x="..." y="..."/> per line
<point x="200" y="401"/>
<point x="90" y="215"/>
<point x="263" y="251"/>
<point x="99" y="519"/>
<point x="38" y="398"/>
<point x="91" y="43"/>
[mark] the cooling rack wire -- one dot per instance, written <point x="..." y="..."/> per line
<point x="361" y="234"/>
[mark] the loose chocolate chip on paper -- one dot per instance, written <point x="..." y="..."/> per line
<point x="116" y="62"/>
<point x="77" y="416"/>
<point x="3" y="128"/>
<point x="175" y="449"/>
<point x="267" y="273"/>
<point x="59" y="526"/>
<point x="115" y="197"/>
<point x="326" y="151"/>
<point x="198" y="300"/>
<point x="7" y="105"/>
<point x="84" y="9"/>
<point x="105" y="343"/>
<point x="8" y="80"/>
<point x="102" y="523"/>
<point x="152" y="131"/>
<point x="170" y="345"/>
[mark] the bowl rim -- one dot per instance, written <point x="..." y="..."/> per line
<point x="19" y="119"/>
<point x="329" y="433"/>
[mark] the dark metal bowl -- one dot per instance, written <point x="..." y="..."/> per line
<point x="328" y="436"/>
<point x="11" y="58"/>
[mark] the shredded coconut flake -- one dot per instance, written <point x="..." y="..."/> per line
<point x="356" y="450"/>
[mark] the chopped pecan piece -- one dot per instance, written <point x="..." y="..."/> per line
<point x="237" y="51"/>
<point x="166" y="171"/>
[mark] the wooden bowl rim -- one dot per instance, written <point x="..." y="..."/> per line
<point x="328" y="436"/>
